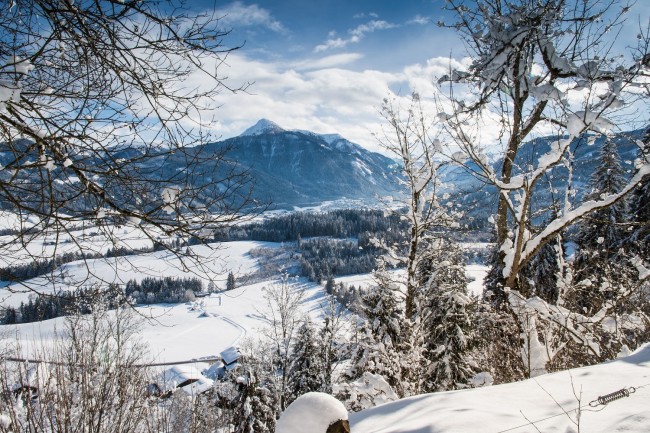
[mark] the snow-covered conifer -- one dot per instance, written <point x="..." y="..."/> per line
<point x="379" y="338"/>
<point x="447" y="325"/>
<point x="307" y="369"/>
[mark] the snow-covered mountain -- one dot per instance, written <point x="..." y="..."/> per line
<point x="302" y="168"/>
<point x="263" y="126"/>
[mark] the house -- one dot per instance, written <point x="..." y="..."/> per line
<point x="229" y="361"/>
<point x="186" y="377"/>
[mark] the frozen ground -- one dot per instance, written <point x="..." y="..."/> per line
<point x="215" y="263"/>
<point x="544" y="404"/>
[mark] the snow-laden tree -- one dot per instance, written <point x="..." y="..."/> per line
<point x="600" y="236"/>
<point x="393" y="338"/>
<point x="540" y="68"/>
<point x="410" y="137"/>
<point x="604" y="229"/>
<point x="539" y="277"/>
<point x="378" y="347"/>
<point x="256" y="408"/>
<point x="94" y="379"/>
<point x="639" y="241"/>
<point x="97" y="100"/>
<point x="284" y="317"/>
<point x="450" y="334"/>
<point x="307" y="372"/>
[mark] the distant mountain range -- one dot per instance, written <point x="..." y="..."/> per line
<point x="291" y="169"/>
<point x="302" y="168"/>
<point x="479" y="200"/>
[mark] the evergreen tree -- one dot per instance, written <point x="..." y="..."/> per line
<point x="539" y="277"/>
<point x="230" y="282"/>
<point x="307" y="370"/>
<point x="639" y="241"/>
<point x="602" y="231"/>
<point x="379" y="343"/>
<point x="329" y="285"/>
<point x="449" y="334"/>
<point x="327" y="353"/>
<point x="600" y="236"/>
<point x="256" y="411"/>
<point x="10" y="317"/>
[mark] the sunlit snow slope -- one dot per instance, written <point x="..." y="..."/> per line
<point x="545" y="404"/>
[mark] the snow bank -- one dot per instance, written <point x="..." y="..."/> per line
<point x="313" y="412"/>
<point x="546" y="403"/>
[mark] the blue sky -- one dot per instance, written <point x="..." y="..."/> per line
<point x="325" y="66"/>
<point x="384" y="35"/>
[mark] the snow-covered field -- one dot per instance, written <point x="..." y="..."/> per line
<point x="214" y="264"/>
<point x="206" y="327"/>
<point x="182" y="332"/>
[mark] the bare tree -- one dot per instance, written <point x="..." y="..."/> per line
<point x="411" y="138"/>
<point x="93" y="379"/>
<point x="282" y="311"/>
<point x="539" y="68"/>
<point x="543" y="68"/>
<point x="105" y="108"/>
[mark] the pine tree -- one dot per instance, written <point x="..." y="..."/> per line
<point x="378" y="349"/>
<point x="449" y="334"/>
<point x="639" y="241"/>
<point x="257" y="407"/>
<point x="230" y="282"/>
<point x="540" y="276"/>
<point x="602" y="231"/>
<point x="307" y="370"/>
<point x="329" y="285"/>
<point x="600" y="235"/>
<point x="11" y="316"/>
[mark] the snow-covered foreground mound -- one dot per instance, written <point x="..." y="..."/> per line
<point x="546" y="404"/>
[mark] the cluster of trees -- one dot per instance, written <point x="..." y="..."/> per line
<point x="538" y="67"/>
<point x="542" y="309"/>
<point x="293" y="356"/>
<point x="321" y="258"/>
<point x="35" y="268"/>
<point x="95" y="378"/>
<point x="151" y="290"/>
<point x="348" y="296"/>
<point x="65" y="303"/>
<point x="341" y="224"/>
<point x="45" y="266"/>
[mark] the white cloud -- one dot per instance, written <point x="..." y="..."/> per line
<point x="238" y="14"/>
<point x="323" y="96"/>
<point x="419" y="19"/>
<point x="355" y="35"/>
<point x="332" y="61"/>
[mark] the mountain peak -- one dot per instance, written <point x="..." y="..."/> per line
<point x="263" y="126"/>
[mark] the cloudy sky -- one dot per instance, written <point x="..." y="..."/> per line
<point x="326" y="65"/>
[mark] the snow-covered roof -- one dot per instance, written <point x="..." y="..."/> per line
<point x="188" y="377"/>
<point x="230" y="355"/>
